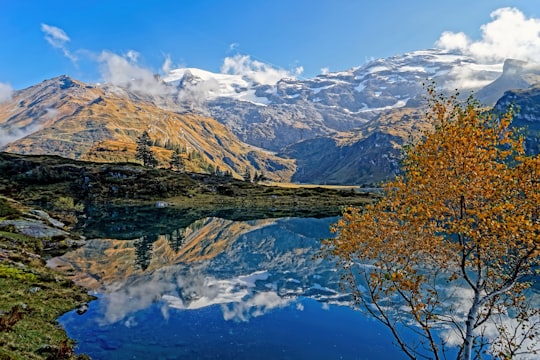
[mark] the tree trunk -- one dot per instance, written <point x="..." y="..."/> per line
<point x="468" y="342"/>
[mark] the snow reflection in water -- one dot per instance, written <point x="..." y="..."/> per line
<point x="232" y="290"/>
<point x="227" y="290"/>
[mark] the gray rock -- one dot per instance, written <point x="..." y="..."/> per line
<point x="161" y="204"/>
<point x="44" y="216"/>
<point x="34" y="228"/>
<point x="82" y="309"/>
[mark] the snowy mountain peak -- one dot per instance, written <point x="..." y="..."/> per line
<point x="205" y="85"/>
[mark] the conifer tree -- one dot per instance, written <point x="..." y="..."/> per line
<point x="143" y="151"/>
<point x="247" y="175"/>
<point x="177" y="162"/>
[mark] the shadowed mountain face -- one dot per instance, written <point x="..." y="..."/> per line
<point x="526" y="102"/>
<point x="339" y="128"/>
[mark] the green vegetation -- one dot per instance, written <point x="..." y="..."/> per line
<point x="177" y="162"/>
<point x="39" y="180"/>
<point x="66" y="203"/>
<point x="143" y="152"/>
<point x="32" y="297"/>
<point x="7" y="211"/>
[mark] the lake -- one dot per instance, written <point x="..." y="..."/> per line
<point x="216" y="288"/>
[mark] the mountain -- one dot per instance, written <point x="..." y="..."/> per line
<point x="365" y="155"/>
<point x="349" y="126"/>
<point x="516" y="74"/>
<point x="69" y="118"/>
<point x="342" y="127"/>
<point x="527" y="105"/>
<point x="276" y="116"/>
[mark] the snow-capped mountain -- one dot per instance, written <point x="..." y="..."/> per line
<point x="338" y="127"/>
<point x="212" y="85"/>
<point x="66" y="117"/>
<point x="281" y="114"/>
<point x="348" y="126"/>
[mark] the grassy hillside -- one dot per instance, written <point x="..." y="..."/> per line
<point x="40" y="179"/>
<point x="32" y="296"/>
<point x="65" y="117"/>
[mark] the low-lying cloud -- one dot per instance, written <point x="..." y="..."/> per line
<point x="510" y="35"/>
<point x="8" y="136"/>
<point x="6" y="91"/>
<point x="124" y="71"/>
<point x="257" y="71"/>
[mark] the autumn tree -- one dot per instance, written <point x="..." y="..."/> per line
<point x="143" y="151"/>
<point x="177" y="162"/>
<point x="449" y="251"/>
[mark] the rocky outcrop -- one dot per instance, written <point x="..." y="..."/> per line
<point x="516" y="74"/>
<point x="526" y="103"/>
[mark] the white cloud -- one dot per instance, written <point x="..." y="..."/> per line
<point x="297" y="71"/>
<point x="325" y="70"/>
<point x="58" y="38"/>
<point x="197" y="93"/>
<point x="8" y="136"/>
<point x="510" y="34"/>
<point x="6" y="91"/>
<point x="257" y="71"/>
<point x="124" y="71"/>
<point x="167" y="65"/>
<point x="468" y="76"/>
<point x="133" y="56"/>
<point x="233" y="46"/>
<point x="453" y="41"/>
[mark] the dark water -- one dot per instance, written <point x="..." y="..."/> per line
<point x="220" y="289"/>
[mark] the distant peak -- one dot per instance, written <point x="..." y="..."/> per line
<point x="66" y="82"/>
<point x="513" y="65"/>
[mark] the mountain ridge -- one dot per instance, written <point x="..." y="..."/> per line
<point x="340" y="127"/>
<point x="75" y="120"/>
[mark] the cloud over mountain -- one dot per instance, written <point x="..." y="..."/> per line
<point x="125" y="71"/>
<point x="510" y="34"/>
<point x="257" y="71"/>
<point x="5" y="92"/>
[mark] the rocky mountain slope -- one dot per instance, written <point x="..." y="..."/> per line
<point x="526" y="102"/>
<point x="349" y="126"/>
<point x="337" y="128"/>
<point x="275" y="116"/>
<point x="66" y="117"/>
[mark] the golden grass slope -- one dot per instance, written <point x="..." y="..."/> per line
<point x="68" y="118"/>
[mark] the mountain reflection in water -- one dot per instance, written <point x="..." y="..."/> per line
<point x="219" y="289"/>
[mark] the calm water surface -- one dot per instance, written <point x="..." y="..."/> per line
<point x="219" y="289"/>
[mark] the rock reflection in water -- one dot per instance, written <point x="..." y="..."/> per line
<point x="192" y="285"/>
<point x="212" y="261"/>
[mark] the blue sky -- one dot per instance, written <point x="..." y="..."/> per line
<point x="41" y="39"/>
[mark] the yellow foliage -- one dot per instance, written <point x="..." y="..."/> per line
<point x="466" y="208"/>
